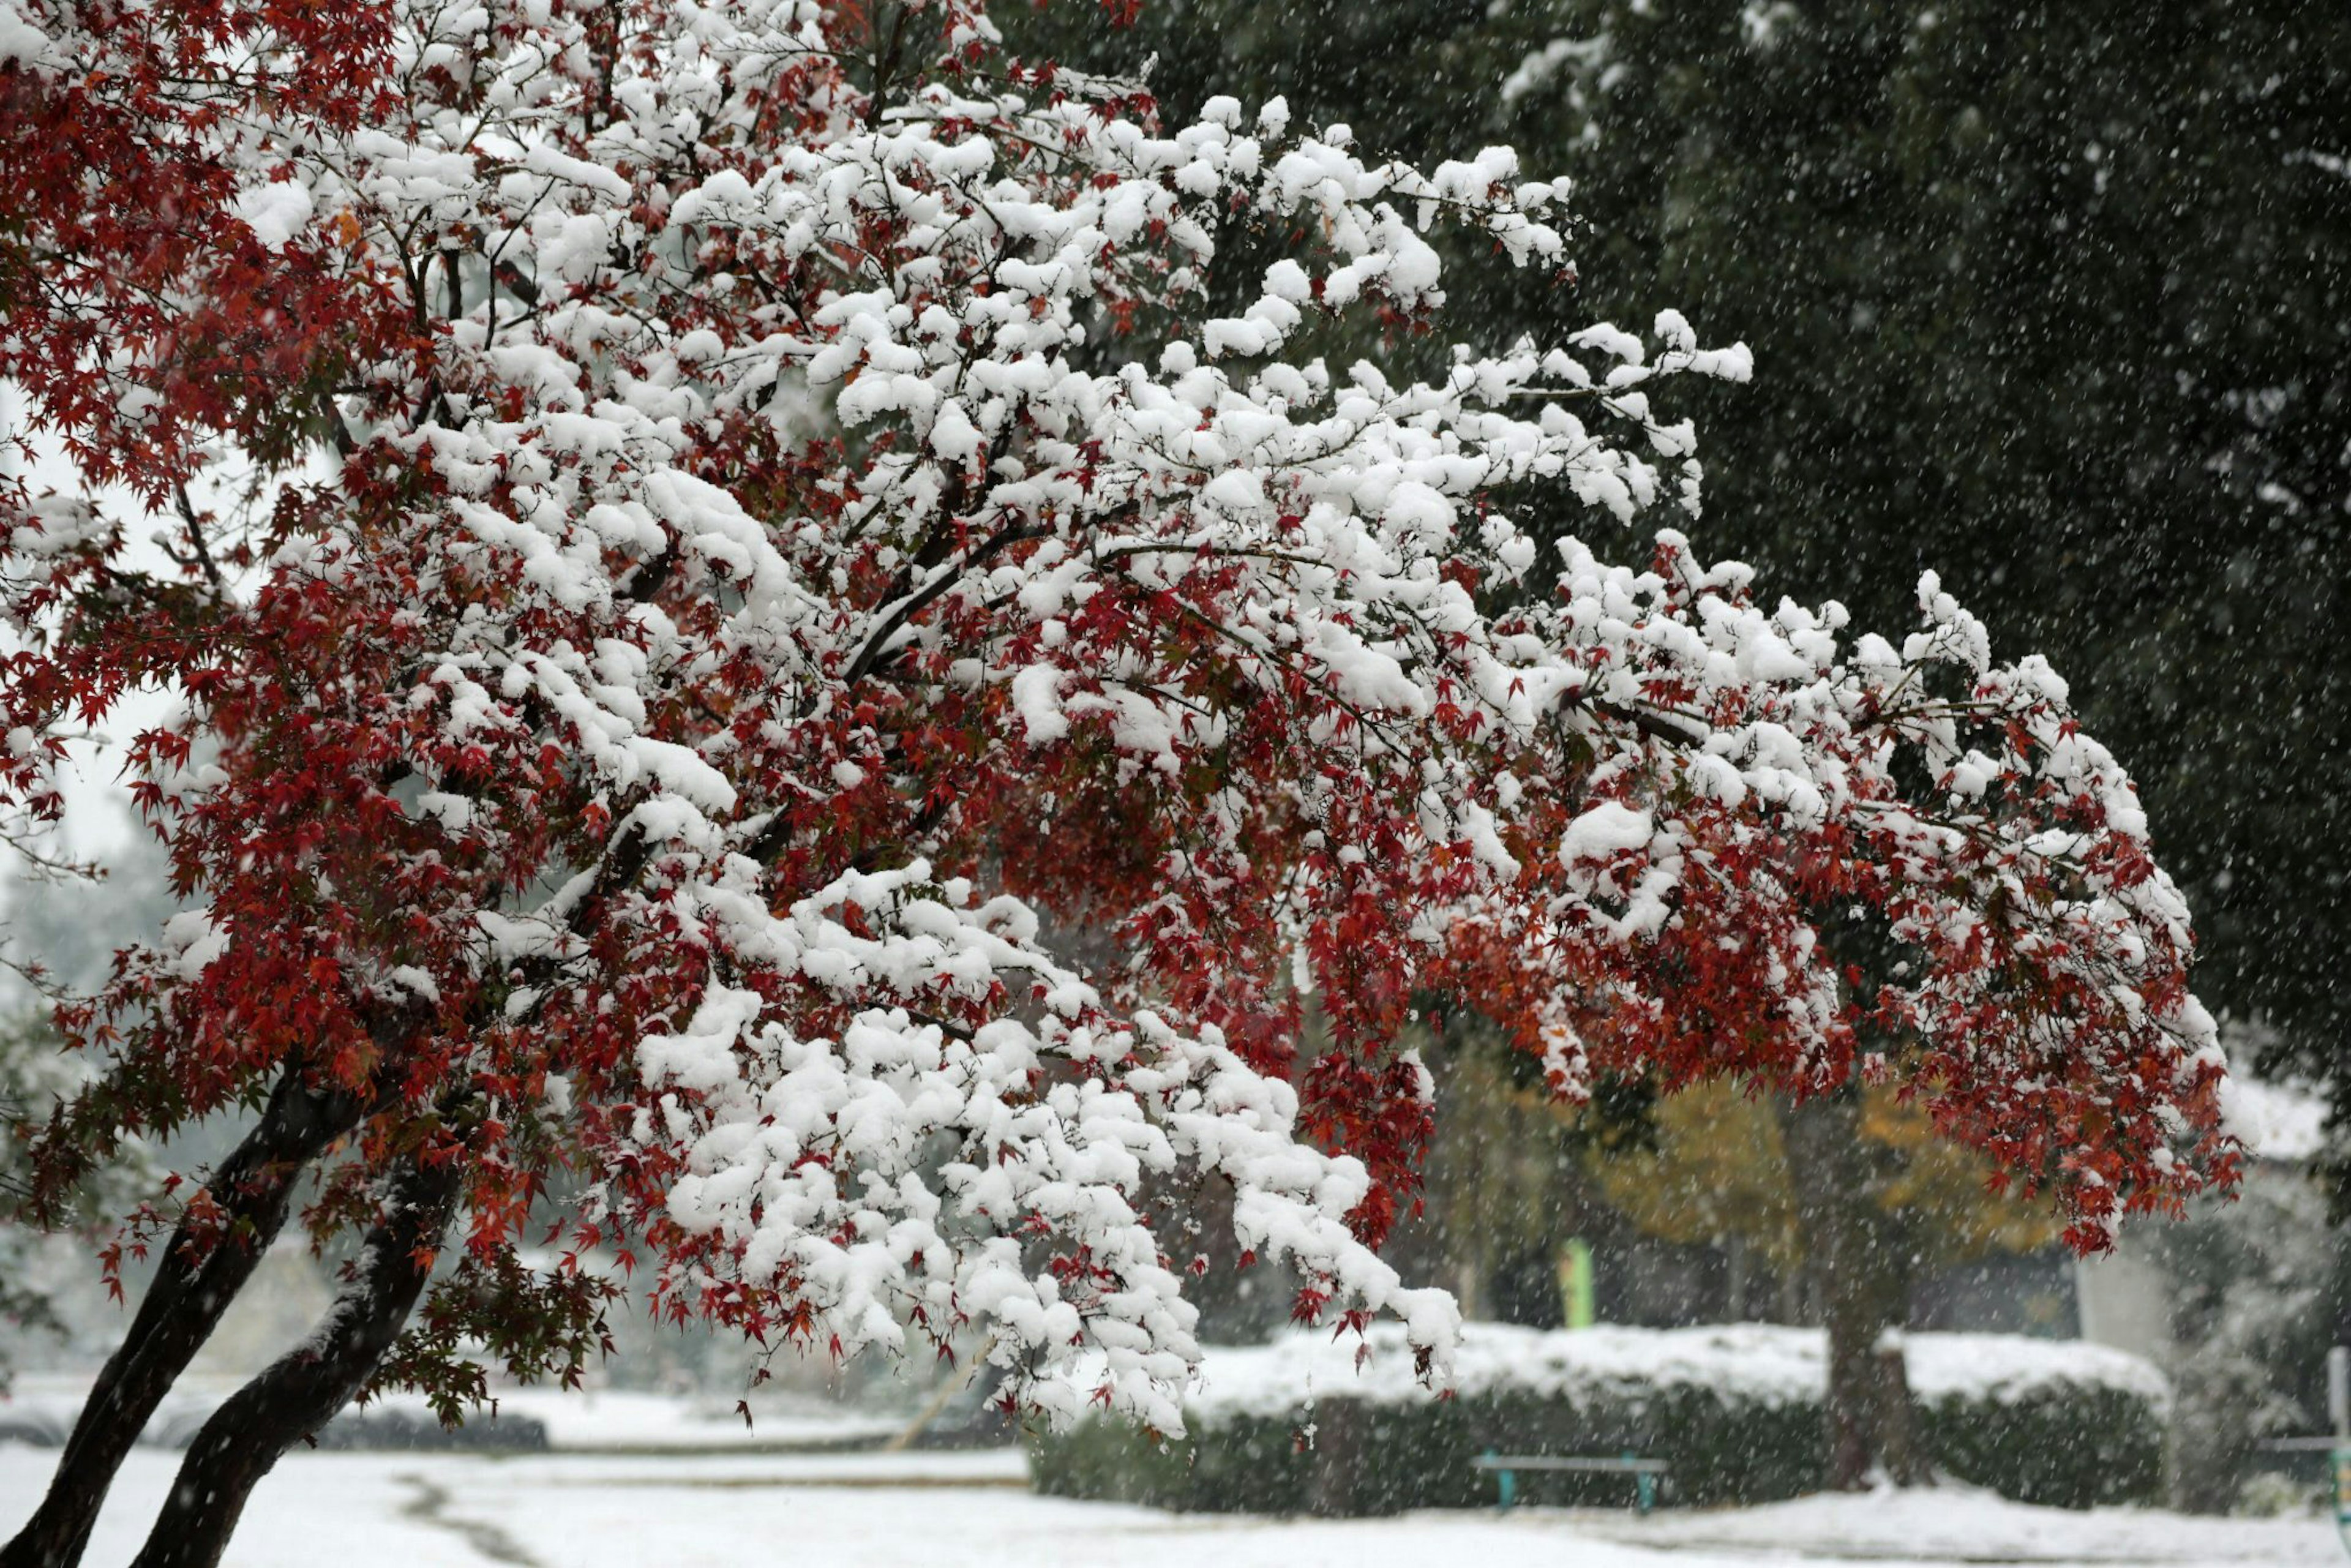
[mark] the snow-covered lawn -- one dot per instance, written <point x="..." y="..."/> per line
<point x="970" y="1511"/>
<point x="1960" y="1525"/>
<point x="607" y="1421"/>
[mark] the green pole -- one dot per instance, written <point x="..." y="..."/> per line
<point x="1575" y="1284"/>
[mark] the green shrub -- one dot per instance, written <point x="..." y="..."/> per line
<point x="1734" y="1412"/>
<point x="2079" y="1446"/>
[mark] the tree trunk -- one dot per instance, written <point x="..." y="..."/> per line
<point x="302" y="1390"/>
<point x="1340" y="1453"/>
<point x="194" y="1285"/>
<point x="1860" y="1257"/>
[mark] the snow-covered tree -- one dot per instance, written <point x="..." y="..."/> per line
<point x="769" y="531"/>
<point x="46" y="1289"/>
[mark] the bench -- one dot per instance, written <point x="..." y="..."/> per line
<point x="1645" y="1473"/>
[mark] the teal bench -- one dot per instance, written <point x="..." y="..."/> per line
<point x="1505" y="1468"/>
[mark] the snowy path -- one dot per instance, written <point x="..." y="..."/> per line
<point x="390" y="1510"/>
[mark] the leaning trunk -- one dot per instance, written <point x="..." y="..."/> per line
<point x="302" y="1390"/>
<point x="196" y="1280"/>
<point x="1860" y="1257"/>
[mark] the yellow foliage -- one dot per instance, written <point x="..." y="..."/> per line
<point x="1718" y="1171"/>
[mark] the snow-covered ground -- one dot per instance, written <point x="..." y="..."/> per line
<point x="607" y="1421"/>
<point x="972" y="1510"/>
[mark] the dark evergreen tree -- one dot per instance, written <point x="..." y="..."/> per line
<point x="2055" y="300"/>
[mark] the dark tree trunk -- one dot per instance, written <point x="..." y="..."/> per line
<point x="302" y="1390"/>
<point x="193" y="1287"/>
<point x="1860" y="1259"/>
<point x="1340" y="1456"/>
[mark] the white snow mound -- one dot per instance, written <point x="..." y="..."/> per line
<point x="1745" y="1362"/>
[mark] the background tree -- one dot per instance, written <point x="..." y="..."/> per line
<point x="1501" y="1185"/>
<point x="1716" y="1167"/>
<point x="2259" y="1294"/>
<point x="1708" y="1167"/>
<point x="2062" y="300"/>
<point x="45" y="1270"/>
<point x="62" y="923"/>
<point x="1727" y="1163"/>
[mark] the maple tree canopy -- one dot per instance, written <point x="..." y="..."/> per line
<point x="757" y="662"/>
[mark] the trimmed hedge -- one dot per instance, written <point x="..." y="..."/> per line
<point x="2073" y="1438"/>
<point x="2080" y="1447"/>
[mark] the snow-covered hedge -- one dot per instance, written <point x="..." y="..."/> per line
<point x="1295" y="1425"/>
